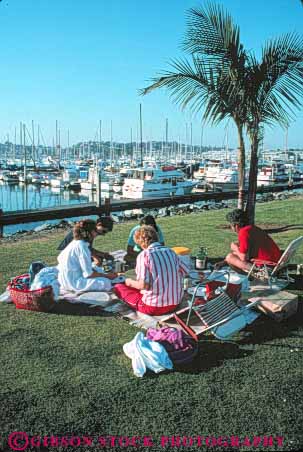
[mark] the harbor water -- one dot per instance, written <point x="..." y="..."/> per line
<point x="20" y="197"/>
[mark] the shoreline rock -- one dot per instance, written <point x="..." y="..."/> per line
<point x="136" y="214"/>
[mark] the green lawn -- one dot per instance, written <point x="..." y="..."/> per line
<point x="67" y="374"/>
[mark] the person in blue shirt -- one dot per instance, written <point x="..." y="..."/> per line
<point x="132" y="248"/>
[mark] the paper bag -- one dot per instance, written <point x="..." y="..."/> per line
<point x="278" y="306"/>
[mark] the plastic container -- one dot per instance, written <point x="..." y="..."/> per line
<point x="184" y="254"/>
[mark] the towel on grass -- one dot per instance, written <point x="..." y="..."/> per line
<point x="146" y="354"/>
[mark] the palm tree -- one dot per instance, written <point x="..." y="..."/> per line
<point x="228" y="82"/>
<point x="274" y="90"/>
<point x="208" y="81"/>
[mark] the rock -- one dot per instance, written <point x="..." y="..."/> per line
<point x="43" y="227"/>
<point x="64" y="224"/>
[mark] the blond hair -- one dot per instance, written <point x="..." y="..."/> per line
<point x="145" y="235"/>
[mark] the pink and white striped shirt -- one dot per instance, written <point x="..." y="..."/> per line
<point x="163" y="270"/>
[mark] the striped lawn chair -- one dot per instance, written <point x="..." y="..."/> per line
<point x="221" y="316"/>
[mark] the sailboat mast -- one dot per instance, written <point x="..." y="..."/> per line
<point x="33" y="144"/>
<point x="141" y="142"/>
<point x="111" y="143"/>
<point x="24" y="153"/>
<point x="15" y="143"/>
<point x="166" y="137"/>
<point x="100" y="140"/>
<point x="131" y="145"/>
<point x="68" y="150"/>
<point x="286" y="144"/>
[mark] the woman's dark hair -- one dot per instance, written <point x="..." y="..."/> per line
<point x="83" y="230"/>
<point x="106" y="222"/>
<point x="237" y="217"/>
<point x="149" y="220"/>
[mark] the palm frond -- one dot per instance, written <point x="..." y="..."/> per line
<point x="187" y="85"/>
<point x="212" y="32"/>
<point x="276" y="83"/>
<point x="201" y="87"/>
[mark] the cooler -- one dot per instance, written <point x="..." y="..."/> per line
<point x="184" y="254"/>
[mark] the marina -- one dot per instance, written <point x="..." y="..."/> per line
<point x="48" y="204"/>
<point x="126" y="177"/>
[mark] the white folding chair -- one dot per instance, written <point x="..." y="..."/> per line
<point x="272" y="271"/>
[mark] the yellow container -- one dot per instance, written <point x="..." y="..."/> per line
<point x="184" y="254"/>
<point x="181" y="250"/>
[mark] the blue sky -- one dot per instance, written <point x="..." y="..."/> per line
<point x="83" y="61"/>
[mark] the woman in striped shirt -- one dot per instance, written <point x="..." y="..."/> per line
<point x="158" y="288"/>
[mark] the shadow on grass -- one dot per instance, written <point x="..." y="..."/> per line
<point x="79" y="309"/>
<point x="212" y="354"/>
<point x="266" y="329"/>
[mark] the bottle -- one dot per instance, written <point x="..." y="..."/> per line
<point x="105" y="265"/>
<point x="201" y="258"/>
<point x="118" y="266"/>
<point x="186" y="283"/>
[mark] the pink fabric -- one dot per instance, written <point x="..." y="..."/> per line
<point x="163" y="270"/>
<point x="171" y="335"/>
<point x="133" y="297"/>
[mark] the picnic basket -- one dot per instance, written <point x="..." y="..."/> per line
<point x="41" y="300"/>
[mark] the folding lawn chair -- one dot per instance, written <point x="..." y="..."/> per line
<point x="221" y="316"/>
<point x="272" y="271"/>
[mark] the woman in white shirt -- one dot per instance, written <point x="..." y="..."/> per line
<point x="75" y="262"/>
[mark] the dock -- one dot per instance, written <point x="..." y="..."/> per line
<point x="109" y="206"/>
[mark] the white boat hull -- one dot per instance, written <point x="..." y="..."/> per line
<point x="156" y="193"/>
<point x="57" y="183"/>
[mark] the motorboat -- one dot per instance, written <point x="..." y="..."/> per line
<point x="10" y="176"/>
<point x="274" y="173"/>
<point x="228" y="178"/>
<point x="156" y="182"/>
<point x="213" y="169"/>
<point x="200" y="173"/>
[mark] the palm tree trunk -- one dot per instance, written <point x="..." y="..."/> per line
<point x="241" y="168"/>
<point x="252" y="181"/>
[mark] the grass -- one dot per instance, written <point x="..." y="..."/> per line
<point x="65" y="374"/>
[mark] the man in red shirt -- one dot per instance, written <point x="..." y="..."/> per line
<point x="253" y="243"/>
